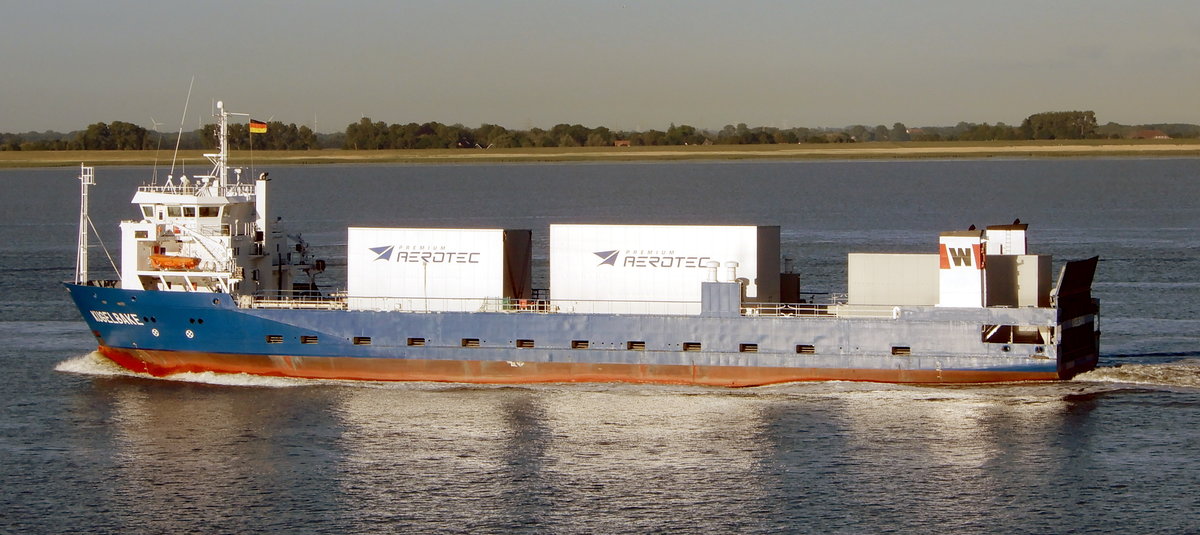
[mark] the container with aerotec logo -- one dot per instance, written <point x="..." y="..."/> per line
<point x="656" y="268"/>
<point x="442" y="268"/>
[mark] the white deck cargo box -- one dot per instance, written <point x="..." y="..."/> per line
<point x="437" y="269"/>
<point x="892" y="279"/>
<point x="656" y="269"/>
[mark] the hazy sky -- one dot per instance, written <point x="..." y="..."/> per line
<point x="621" y="64"/>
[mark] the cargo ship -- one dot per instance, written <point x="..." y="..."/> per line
<point x="209" y="282"/>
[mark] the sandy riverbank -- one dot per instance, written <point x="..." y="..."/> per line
<point x="913" y="150"/>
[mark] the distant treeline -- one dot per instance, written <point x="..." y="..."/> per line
<point x="120" y="135"/>
<point x="369" y="135"/>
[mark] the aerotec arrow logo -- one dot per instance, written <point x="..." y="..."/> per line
<point x="610" y="257"/>
<point x="385" y="252"/>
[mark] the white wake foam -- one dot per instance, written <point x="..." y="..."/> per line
<point x="93" y="364"/>
<point x="1184" y="373"/>
<point x="98" y="365"/>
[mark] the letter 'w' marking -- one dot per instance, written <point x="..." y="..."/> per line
<point x="961" y="256"/>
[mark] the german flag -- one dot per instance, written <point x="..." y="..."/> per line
<point x="257" y="127"/>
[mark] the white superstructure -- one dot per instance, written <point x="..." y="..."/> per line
<point x="207" y="233"/>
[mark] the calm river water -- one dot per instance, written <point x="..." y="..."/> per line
<point x="87" y="448"/>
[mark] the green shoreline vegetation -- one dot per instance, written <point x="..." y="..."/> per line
<point x="877" y="150"/>
<point x="1048" y="134"/>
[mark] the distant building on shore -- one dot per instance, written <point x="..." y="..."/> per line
<point x="1150" y="134"/>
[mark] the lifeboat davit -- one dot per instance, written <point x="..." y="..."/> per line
<point x="162" y="261"/>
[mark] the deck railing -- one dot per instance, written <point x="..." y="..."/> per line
<point x="342" y="301"/>
<point x="192" y="188"/>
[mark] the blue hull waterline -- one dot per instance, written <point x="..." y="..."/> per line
<point x="209" y="283"/>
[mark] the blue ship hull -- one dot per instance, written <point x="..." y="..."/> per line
<point x="162" y="333"/>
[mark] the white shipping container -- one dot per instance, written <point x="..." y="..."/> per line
<point x="436" y="269"/>
<point x="656" y="268"/>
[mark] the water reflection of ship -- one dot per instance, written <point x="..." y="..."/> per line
<point x="187" y="455"/>
<point x="521" y="457"/>
<point x="956" y="449"/>
<point x="578" y="459"/>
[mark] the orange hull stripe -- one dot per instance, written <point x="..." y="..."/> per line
<point x="162" y="363"/>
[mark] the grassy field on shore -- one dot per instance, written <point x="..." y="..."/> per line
<point x="907" y="150"/>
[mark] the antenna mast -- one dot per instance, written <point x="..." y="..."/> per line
<point x="181" y="120"/>
<point x="223" y="136"/>
<point x="220" y="160"/>
<point x="87" y="177"/>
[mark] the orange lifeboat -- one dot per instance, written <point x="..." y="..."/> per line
<point x="162" y="261"/>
